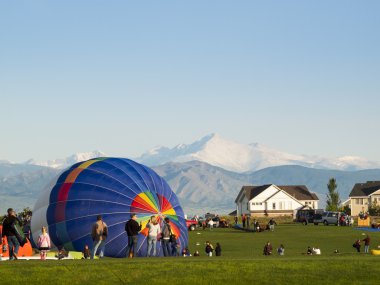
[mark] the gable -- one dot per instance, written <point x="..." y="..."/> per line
<point x="264" y="195"/>
<point x="282" y="195"/>
<point x="365" y="189"/>
<point x="375" y="193"/>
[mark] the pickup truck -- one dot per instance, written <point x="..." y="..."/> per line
<point x="191" y="224"/>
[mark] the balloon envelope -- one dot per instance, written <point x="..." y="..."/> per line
<point x="114" y="188"/>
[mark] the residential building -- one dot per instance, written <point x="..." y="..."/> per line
<point x="363" y="195"/>
<point x="274" y="200"/>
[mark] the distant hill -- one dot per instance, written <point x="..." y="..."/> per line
<point x="21" y="184"/>
<point x="200" y="187"/>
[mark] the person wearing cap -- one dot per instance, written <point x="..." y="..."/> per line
<point x="9" y="232"/>
<point x="132" y="227"/>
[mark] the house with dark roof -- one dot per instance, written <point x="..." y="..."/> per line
<point x="274" y="200"/>
<point x="363" y="195"/>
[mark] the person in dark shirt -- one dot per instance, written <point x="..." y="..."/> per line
<point x="86" y="252"/>
<point x="218" y="249"/>
<point x="268" y="249"/>
<point x="132" y="227"/>
<point x="367" y="242"/>
<point x="10" y="232"/>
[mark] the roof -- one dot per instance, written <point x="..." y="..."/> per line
<point x="233" y="213"/>
<point x="299" y="192"/>
<point x="252" y="191"/>
<point x="365" y="189"/>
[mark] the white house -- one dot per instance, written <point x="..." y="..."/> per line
<point x="273" y="200"/>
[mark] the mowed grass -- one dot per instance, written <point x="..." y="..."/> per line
<point x="242" y="262"/>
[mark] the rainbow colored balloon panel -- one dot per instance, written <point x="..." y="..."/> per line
<point x="114" y="188"/>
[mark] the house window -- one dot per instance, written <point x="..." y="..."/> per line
<point x="274" y="206"/>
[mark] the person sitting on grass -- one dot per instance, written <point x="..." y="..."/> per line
<point x="316" y="250"/>
<point x="209" y="249"/>
<point x="268" y="249"/>
<point x="86" y="252"/>
<point x="309" y="251"/>
<point x="186" y="252"/>
<point x="281" y="250"/>
<point x="196" y="253"/>
<point x="62" y="253"/>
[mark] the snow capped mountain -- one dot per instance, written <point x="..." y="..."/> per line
<point x="66" y="162"/>
<point x="237" y="157"/>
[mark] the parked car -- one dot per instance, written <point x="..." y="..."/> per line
<point x="327" y="218"/>
<point x="191" y="224"/>
<point x="307" y="216"/>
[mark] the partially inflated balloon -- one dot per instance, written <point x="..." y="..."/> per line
<point x="114" y="188"/>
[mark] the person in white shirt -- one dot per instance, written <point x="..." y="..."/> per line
<point x="210" y="224"/>
<point x="154" y="231"/>
<point x="316" y="251"/>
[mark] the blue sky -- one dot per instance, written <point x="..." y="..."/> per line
<point x="125" y="76"/>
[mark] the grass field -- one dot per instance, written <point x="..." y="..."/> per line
<point x="242" y="262"/>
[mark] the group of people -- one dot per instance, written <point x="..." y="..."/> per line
<point x="313" y="250"/>
<point x="169" y="241"/>
<point x="268" y="249"/>
<point x="12" y="231"/>
<point x="367" y="242"/>
<point x="246" y="219"/>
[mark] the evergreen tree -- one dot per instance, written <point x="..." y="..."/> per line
<point x="333" y="199"/>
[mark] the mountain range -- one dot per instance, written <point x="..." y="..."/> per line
<point x="233" y="156"/>
<point x="206" y="175"/>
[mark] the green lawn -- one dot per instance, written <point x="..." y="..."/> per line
<point x="242" y="262"/>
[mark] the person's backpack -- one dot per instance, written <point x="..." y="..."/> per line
<point x="166" y="232"/>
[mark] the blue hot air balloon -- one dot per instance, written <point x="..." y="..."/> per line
<point x="114" y="188"/>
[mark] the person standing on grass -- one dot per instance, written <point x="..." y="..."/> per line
<point x="10" y="232"/>
<point x="236" y="219"/>
<point x="166" y="233"/>
<point x="367" y="242"/>
<point x="210" y="224"/>
<point x="218" y="249"/>
<point x="132" y="227"/>
<point x="99" y="234"/>
<point x="247" y="222"/>
<point x="243" y="218"/>
<point x="43" y="243"/>
<point x="154" y="231"/>
<point x="271" y="224"/>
